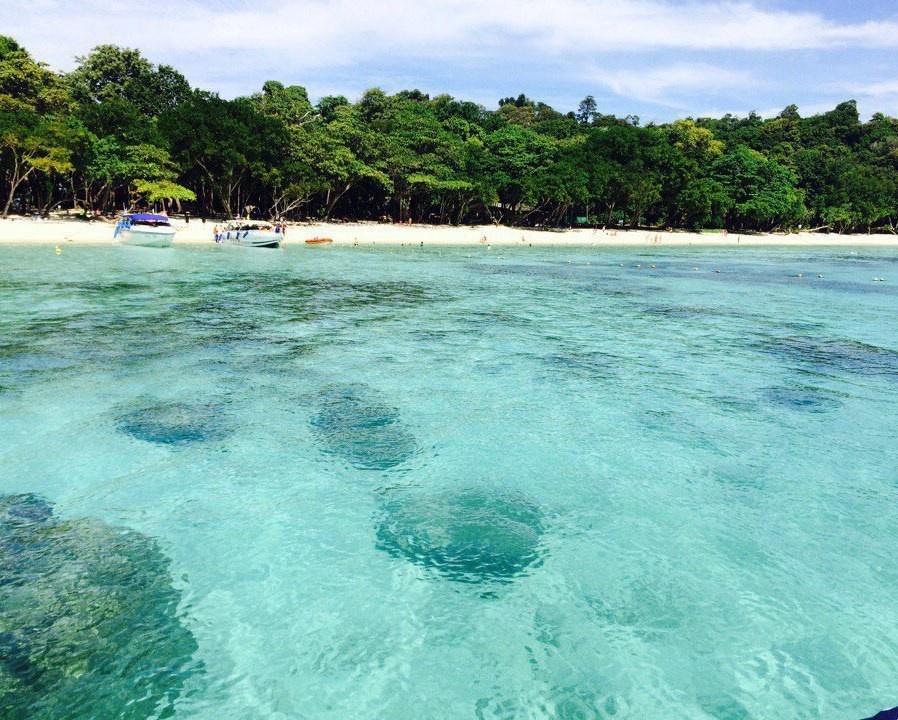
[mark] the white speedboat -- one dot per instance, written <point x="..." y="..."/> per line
<point x="145" y="229"/>
<point x="251" y="233"/>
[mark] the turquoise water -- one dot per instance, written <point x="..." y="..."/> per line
<point x="412" y="482"/>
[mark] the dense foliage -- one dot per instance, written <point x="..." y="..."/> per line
<point x="119" y="132"/>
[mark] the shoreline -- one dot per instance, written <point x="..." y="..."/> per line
<point x="99" y="232"/>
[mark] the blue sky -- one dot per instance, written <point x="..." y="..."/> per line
<point x="659" y="59"/>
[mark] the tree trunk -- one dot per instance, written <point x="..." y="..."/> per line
<point x="336" y="198"/>
<point x="17" y="178"/>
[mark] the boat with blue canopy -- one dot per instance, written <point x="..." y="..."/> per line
<point x="145" y="230"/>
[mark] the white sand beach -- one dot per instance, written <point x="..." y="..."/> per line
<point x="62" y="230"/>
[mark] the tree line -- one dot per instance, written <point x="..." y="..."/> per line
<point x="120" y="132"/>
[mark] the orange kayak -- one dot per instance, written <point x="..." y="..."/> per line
<point x="317" y="240"/>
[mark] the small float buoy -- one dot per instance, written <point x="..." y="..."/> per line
<point x="58" y="251"/>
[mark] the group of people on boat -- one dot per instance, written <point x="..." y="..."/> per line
<point x="240" y="225"/>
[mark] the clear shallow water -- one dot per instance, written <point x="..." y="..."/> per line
<point x="426" y="483"/>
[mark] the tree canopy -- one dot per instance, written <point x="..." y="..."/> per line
<point x="119" y="131"/>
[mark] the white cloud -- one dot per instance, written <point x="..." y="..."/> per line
<point x="667" y="85"/>
<point x="880" y="89"/>
<point x="233" y="46"/>
<point x="313" y="33"/>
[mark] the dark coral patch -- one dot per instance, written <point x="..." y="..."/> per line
<point x="176" y="423"/>
<point x="468" y="535"/>
<point x="826" y="355"/>
<point x="89" y="619"/>
<point x="355" y="423"/>
<point x="802" y="398"/>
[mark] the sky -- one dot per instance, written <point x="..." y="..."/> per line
<point x="658" y="59"/>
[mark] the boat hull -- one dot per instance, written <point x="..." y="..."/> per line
<point x="252" y="238"/>
<point x="147" y="237"/>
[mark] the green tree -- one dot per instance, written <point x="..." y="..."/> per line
<point x="162" y="190"/>
<point x="328" y="105"/>
<point x="624" y="164"/>
<point x="111" y="72"/>
<point x="34" y="137"/>
<point x="515" y="154"/>
<point x="688" y="197"/>
<point x="554" y="189"/>
<point x="26" y="84"/>
<point x="224" y="147"/>
<point x="31" y="143"/>
<point x="118" y="174"/>
<point x="587" y="110"/>
<point x="343" y="154"/>
<point x="763" y="194"/>
<point x="291" y="180"/>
